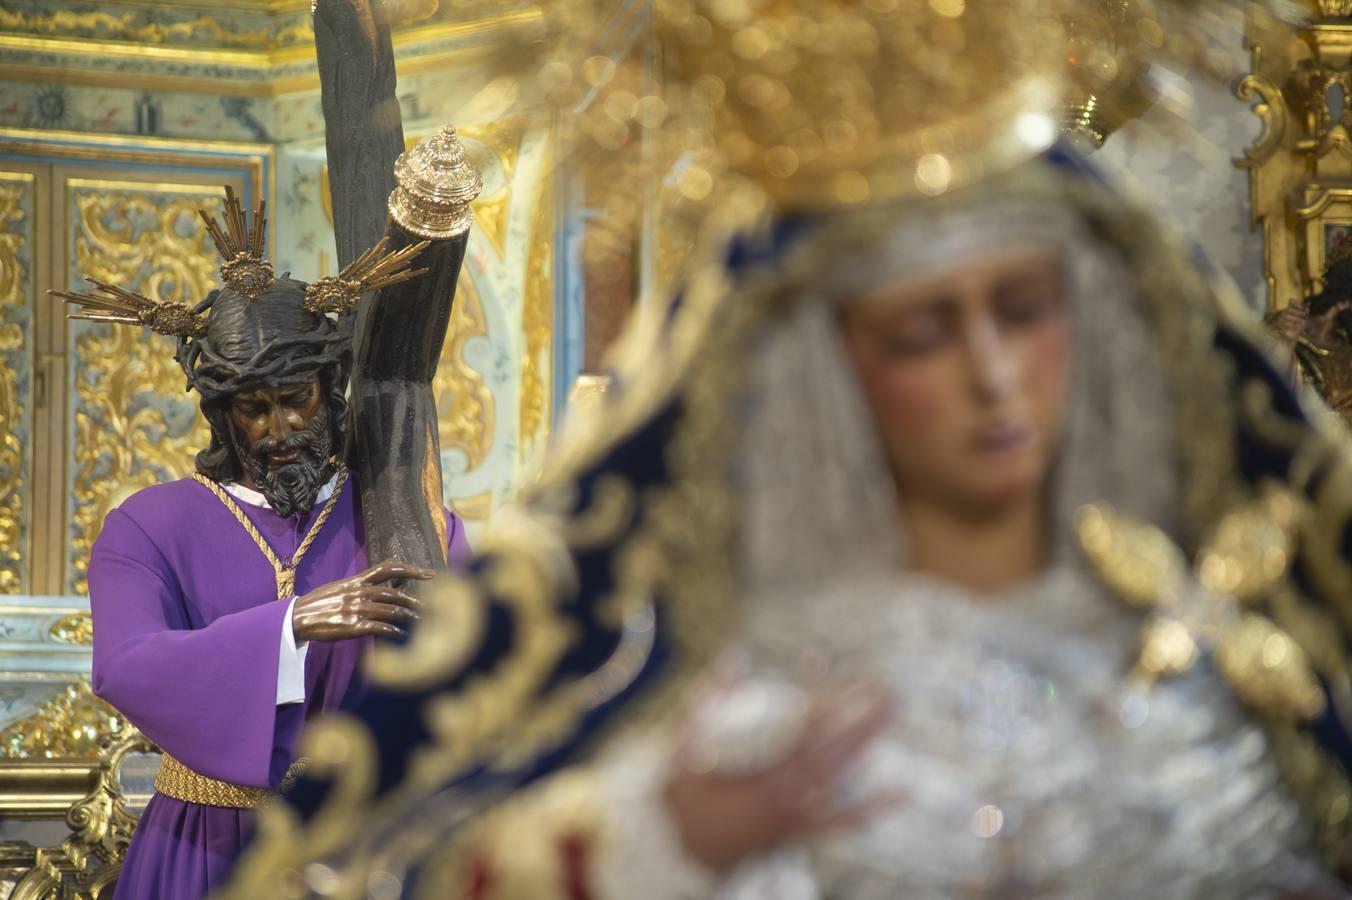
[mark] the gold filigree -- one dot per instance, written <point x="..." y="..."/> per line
<point x="131" y="430"/>
<point x="243" y="268"/>
<point x="70" y="724"/>
<point x="436" y="184"/>
<point x="16" y="286"/>
<point x="76" y="628"/>
<point x="466" y="408"/>
<point x="119" y="306"/>
<point x="378" y="267"/>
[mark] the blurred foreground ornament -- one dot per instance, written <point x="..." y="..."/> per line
<point x="1243" y="560"/>
<point x="819" y="103"/>
<point x="1108" y="45"/>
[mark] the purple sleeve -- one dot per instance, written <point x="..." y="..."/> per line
<point x="458" y="552"/>
<point x="206" y="696"/>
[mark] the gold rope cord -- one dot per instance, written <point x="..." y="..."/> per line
<point x="182" y="783"/>
<point x="284" y="570"/>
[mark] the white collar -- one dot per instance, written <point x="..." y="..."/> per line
<point x="254" y="498"/>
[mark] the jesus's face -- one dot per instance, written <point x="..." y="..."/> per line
<point x="967" y="373"/>
<point x="284" y="442"/>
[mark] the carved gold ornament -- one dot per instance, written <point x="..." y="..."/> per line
<point x="134" y="426"/>
<point x="16" y="357"/>
<point x="76" y="628"/>
<point x="373" y="270"/>
<point x="1245" y="557"/>
<point x="71" y="724"/>
<point x="88" y="861"/>
<point x="436" y="184"/>
<point x="243" y="268"/>
<point x="110" y="303"/>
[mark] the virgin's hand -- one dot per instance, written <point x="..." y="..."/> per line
<point x="723" y="820"/>
<point x="364" y="604"/>
<point x="1291" y="322"/>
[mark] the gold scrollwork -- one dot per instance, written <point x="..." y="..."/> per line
<point x="131" y="431"/>
<point x="16" y="222"/>
<point x="71" y="724"/>
<point x="88" y="862"/>
<point x="76" y="628"/>
<point x="1270" y="108"/>
<point x="465" y="405"/>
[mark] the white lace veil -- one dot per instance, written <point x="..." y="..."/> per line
<point x="816" y="496"/>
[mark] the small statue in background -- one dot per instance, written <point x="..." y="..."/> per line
<point x="1319" y="334"/>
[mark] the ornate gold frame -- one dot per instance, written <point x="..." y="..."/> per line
<point x="1300" y="165"/>
<point x="86" y="863"/>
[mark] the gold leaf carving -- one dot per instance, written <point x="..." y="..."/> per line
<point x="134" y="424"/>
<point x="16" y="222"/>
<point x="501" y="140"/>
<point x="465" y="405"/>
<point x="76" y="628"/>
<point x="203" y="31"/>
<point x="537" y="323"/>
<point x="70" y="724"/>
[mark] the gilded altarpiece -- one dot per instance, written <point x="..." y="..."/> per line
<point x="17" y="242"/>
<point x="1300" y="165"/>
<point x="133" y="423"/>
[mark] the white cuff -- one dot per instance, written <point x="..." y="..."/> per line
<point x="291" y="663"/>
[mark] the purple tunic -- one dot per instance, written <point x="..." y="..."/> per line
<point x="187" y="637"/>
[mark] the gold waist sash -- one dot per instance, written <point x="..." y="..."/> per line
<point x="178" y="781"/>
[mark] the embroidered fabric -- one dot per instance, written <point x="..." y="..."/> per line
<point x="1026" y="769"/>
<point x="1025" y="766"/>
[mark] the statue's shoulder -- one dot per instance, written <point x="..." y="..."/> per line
<point x="166" y="509"/>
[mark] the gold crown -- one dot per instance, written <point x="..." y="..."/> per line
<point x="371" y="271"/>
<point x="110" y="303"/>
<point x="243" y="268"/>
<point x="819" y="102"/>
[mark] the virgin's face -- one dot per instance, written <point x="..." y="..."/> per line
<point x="966" y="372"/>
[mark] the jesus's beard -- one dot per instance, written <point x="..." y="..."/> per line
<point x="291" y="488"/>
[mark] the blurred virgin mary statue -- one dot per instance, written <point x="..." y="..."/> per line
<point x="946" y="538"/>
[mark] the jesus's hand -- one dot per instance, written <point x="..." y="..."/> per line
<point x="364" y="604"/>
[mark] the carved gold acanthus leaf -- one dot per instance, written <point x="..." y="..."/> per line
<point x="16" y="223"/>
<point x="71" y="724"/>
<point x="134" y="425"/>
<point x="76" y="628"/>
<point x="1270" y="108"/>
